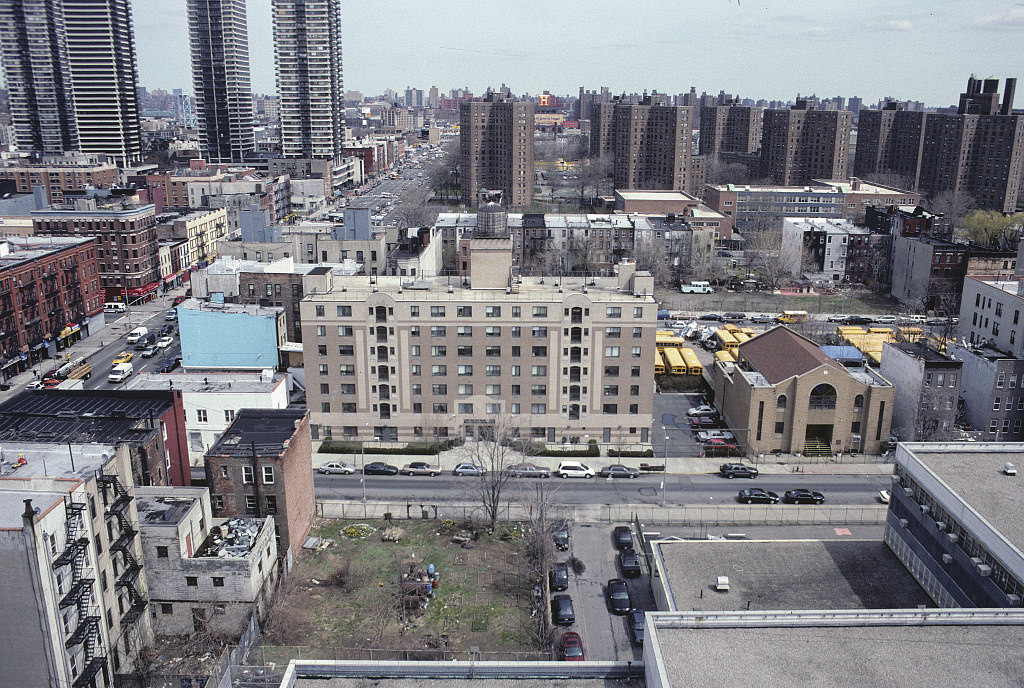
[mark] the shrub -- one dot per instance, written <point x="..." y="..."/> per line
<point x="412" y="448"/>
<point x="631" y="453"/>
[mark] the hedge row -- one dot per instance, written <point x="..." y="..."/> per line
<point x="632" y="453"/>
<point x="412" y="448"/>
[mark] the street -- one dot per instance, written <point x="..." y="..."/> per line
<point x="117" y="331"/>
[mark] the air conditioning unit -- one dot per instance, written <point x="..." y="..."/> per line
<point x="952" y="537"/>
<point x="904" y="523"/>
<point x="1013" y="600"/>
<point x="925" y="508"/>
<point x="908" y="491"/>
<point x="984" y="570"/>
<point x="947" y="558"/>
<point x="941" y="525"/>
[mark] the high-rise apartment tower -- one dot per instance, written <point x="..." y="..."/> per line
<point x="496" y="149"/>
<point x="801" y="144"/>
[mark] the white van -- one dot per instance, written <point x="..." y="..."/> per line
<point x="120" y="373"/>
<point x="696" y="288"/>
<point x="137" y="334"/>
<point x="115" y="307"/>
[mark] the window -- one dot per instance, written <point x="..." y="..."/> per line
<point x="414" y="311"/>
<point x="201" y="415"/>
<point x="495" y="370"/>
<point x="952" y="379"/>
<point x="464" y="350"/>
<point x="439" y="370"/>
<point x="438" y="331"/>
<point x="540" y="351"/>
<point x="993" y="426"/>
<point x="414" y="350"/>
<point x="492" y="311"/>
<point x="780" y="403"/>
<point x="610" y="408"/>
<point x="250" y="504"/>
<point x="493" y="409"/>
<point x="538" y="312"/>
<point x="348" y="407"/>
<point x="638" y="332"/>
<point x="166" y="608"/>
<point x="493" y="331"/>
<point x="1000" y="379"/>
<point x="516" y="330"/>
<point x="437" y="311"/>
<point x="515" y="409"/>
<point x="325" y="407"/>
<point x="638" y="311"/>
<point x="516" y="371"/>
<point x="465" y="389"/>
<point x="538" y="390"/>
<point x="161" y="551"/>
<point x="540" y="332"/>
<point x="634" y="371"/>
<point x="321" y="330"/>
<point x="440" y="407"/>
<point x="1013" y="380"/>
<point x="538" y="408"/>
<point x="218" y="581"/>
<point x="466" y="408"/>
<point x="439" y="350"/>
<point x="192" y="581"/>
<point x="780" y="428"/>
<point x="439" y="389"/>
<point x="492" y="351"/>
<point x="855" y="427"/>
<point x="218" y="502"/>
<point x="995" y="403"/>
<point x="247" y="475"/>
<point x="823" y="396"/>
<point x="611" y="371"/>
<point x="517" y="311"/>
<point x="613" y="312"/>
<point x="268" y="475"/>
<point x="858" y="402"/>
<point x="347" y="369"/>
<point x="636" y="352"/>
<point x="417" y="390"/>
<point x="465" y="370"/>
<point x="611" y="352"/>
<point x="538" y="370"/>
<point x="464" y="311"/>
<point x="345" y="330"/>
<point x="492" y="390"/>
<point x="414" y="331"/>
<point x="613" y="332"/>
<point x="611" y="390"/>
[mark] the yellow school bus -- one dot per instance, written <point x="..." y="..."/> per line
<point x="693" y="364"/>
<point x="725" y="340"/>
<point x="725" y="356"/>
<point x="659" y="363"/>
<point x="674" y="362"/>
<point x="790" y="317"/>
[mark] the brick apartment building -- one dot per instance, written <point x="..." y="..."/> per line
<point x="262" y="466"/>
<point x="496" y="149"/>
<point x="125" y="233"/>
<point x="60" y="174"/>
<point x="800" y="144"/>
<point x="49" y="288"/>
<point x="730" y="129"/>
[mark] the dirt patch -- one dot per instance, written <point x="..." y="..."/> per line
<point x="346" y="597"/>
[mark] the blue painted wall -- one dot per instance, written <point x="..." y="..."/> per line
<point x="218" y="339"/>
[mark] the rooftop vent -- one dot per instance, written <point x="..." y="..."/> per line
<point x="722" y="584"/>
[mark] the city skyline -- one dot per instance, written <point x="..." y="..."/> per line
<point x="898" y="52"/>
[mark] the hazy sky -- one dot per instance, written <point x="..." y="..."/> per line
<point x="910" y="49"/>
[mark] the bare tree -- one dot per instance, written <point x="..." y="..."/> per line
<point x="417" y="215"/>
<point x="954" y="205"/>
<point x="892" y="180"/>
<point x="762" y="249"/>
<point x="502" y="449"/>
<point x="726" y="172"/>
<point x="650" y="256"/>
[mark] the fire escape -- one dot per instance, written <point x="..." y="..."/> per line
<point x="124" y="544"/>
<point x="79" y="596"/>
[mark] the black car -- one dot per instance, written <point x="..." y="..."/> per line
<point x="560" y="576"/>
<point x="166" y="330"/>
<point x="755" y="495"/>
<point x="170" y="364"/>
<point x="618" y="596"/>
<point x="636" y="626"/>
<point x="561" y="537"/>
<point x="710" y="316"/>
<point x="617" y="470"/>
<point x="562" y="612"/>
<point x="630" y="563"/>
<point x="737" y="470"/>
<point x="802" y="496"/>
<point x="623" y="537"/>
<point x="379" y="468"/>
<point x="857" y="320"/>
<point x="734" y="317"/>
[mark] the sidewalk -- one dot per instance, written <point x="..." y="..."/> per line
<point x="89" y="346"/>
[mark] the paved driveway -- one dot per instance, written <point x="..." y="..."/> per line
<point x="670" y="413"/>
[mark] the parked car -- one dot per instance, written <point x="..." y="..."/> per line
<point x="170" y="364"/>
<point x="935" y="322"/>
<point x="718" y="447"/>
<point x="149" y="351"/>
<point x="559" y="576"/>
<point x="164" y="342"/>
<point x="617" y="470"/>
<point x="623" y="537"/>
<point x="171" y="315"/>
<point x="574" y="469"/>
<point x="803" y="496"/>
<point x="636" y="626"/>
<point x="886" y="319"/>
<point x="702" y="410"/>
<point x="379" y="468"/>
<point x="618" y="596"/>
<point x="527" y="470"/>
<point x="737" y="470"/>
<point x="755" y="495"/>
<point x="763" y="318"/>
<point x="734" y="317"/>
<point x="572" y="647"/>
<point x="339" y="467"/>
<point x="857" y="320"/>
<point x="705" y="435"/>
<point x="629" y="561"/>
<point x="177" y="300"/>
<point x="884" y="496"/>
<point x="467" y="468"/>
<point x="420" y="468"/>
<point x="123" y="357"/>
<point x="703" y="422"/>
<point x="837" y="318"/>
<point x="711" y="316"/>
<point x="561" y="537"/>
<point x="562" y="612"/>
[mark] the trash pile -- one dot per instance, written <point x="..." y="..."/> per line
<point x="233" y="539"/>
<point x="417" y="587"/>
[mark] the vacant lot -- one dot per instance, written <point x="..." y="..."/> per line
<point x="856" y="301"/>
<point x="342" y="601"/>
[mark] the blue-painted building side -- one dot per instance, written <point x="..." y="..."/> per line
<point x="960" y="577"/>
<point x="212" y="338"/>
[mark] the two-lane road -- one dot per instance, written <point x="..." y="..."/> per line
<point x="102" y="361"/>
<point x="681" y="488"/>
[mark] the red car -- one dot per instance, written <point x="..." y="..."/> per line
<point x="572" y="647"/>
<point x="703" y="422"/>
<point x="719" y="446"/>
<point x="177" y="300"/>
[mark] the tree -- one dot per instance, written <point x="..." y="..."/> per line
<point x="651" y="257"/>
<point x="495" y="454"/>
<point x="892" y="180"/>
<point x="416" y="214"/>
<point x="953" y="204"/>
<point x="726" y="172"/>
<point x="762" y="250"/>
<point x="992" y="229"/>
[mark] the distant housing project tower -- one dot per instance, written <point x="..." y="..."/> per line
<point x="307" y="52"/>
<point x="496" y="149"/>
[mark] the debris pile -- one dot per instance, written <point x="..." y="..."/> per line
<point x="233" y="539"/>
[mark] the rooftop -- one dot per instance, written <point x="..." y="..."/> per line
<point x="921" y="351"/>
<point x="974" y="471"/>
<point x="234" y="308"/>
<point x="1012" y="287"/>
<point x="789" y="574"/>
<point x="780" y="353"/>
<point x="655" y="195"/>
<point x="371" y="678"/>
<point x="45" y="495"/>
<point x="26" y="249"/>
<point x="807" y="653"/>
<point x="863" y="187"/>
<point x="165" y="506"/>
<point x="213" y="382"/>
<point x="265" y="432"/>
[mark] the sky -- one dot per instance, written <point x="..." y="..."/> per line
<point x="773" y="49"/>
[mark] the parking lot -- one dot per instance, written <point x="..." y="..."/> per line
<point x="670" y="414"/>
<point x="605" y="635"/>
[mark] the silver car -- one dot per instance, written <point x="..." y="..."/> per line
<point x="339" y="467"/>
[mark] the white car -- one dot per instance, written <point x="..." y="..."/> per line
<point x="705" y="435"/>
<point x="339" y="467"/>
<point x="702" y="410"/>
<point x="884" y="496"/>
<point x="574" y="469"/>
<point x="164" y="342"/>
<point x="885" y="319"/>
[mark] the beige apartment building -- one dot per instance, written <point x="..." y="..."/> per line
<point x="202" y="229"/>
<point x="555" y="360"/>
<point x="784" y="394"/>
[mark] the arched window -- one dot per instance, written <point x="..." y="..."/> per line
<point x="780" y="403"/>
<point x="823" y="396"/>
<point x="858" y="402"/>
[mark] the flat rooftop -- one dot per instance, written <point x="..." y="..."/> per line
<point x="219" y="383"/>
<point x="265" y="431"/>
<point x="922" y="351"/>
<point x="789" y="574"/>
<point x="45" y="495"/>
<point x="978" y="478"/>
<point x="1011" y="287"/>
<point x="909" y="656"/>
<point x="656" y="195"/>
<point x="372" y="680"/>
<point x="232" y="308"/>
